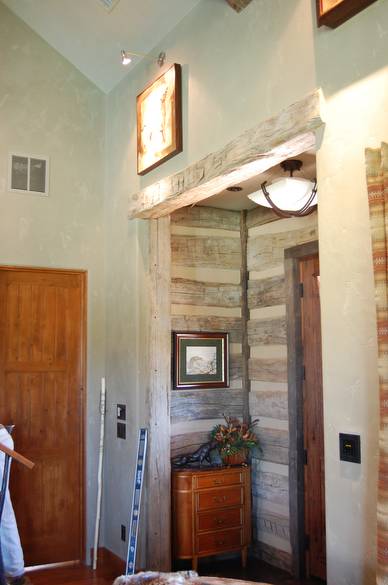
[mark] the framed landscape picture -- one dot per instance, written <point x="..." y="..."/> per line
<point x="332" y="13"/>
<point x="159" y="120"/>
<point x="200" y="360"/>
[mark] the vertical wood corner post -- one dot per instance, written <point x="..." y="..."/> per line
<point x="159" y="469"/>
<point x="293" y="131"/>
<point x="295" y="401"/>
<point x="244" y="278"/>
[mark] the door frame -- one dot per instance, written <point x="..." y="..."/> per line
<point x="83" y="378"/>
<point x="292" y="256"/>
<point x="294" y="130"/>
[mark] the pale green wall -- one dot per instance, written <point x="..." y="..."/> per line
<point x="237" y="71"/>
<point x="127" y="302"/>
<point x="47" y="107"/>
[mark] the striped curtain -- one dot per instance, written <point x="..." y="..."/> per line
<point x="377" y="180"/>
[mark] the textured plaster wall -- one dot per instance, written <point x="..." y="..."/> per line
<point x="47" y="107"/>
<point x="356" y="117"/>
<point x="237" y="71"/>
<point x="127" y="304"/>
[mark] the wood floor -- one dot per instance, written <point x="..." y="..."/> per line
<point x="80" y="575"/>
<point x="254" y="571"/>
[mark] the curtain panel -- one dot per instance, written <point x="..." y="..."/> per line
<point x="377" y="181"/>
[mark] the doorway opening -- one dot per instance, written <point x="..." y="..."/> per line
<point x="42" y="380"/>
<point x="305" y="399"/>
<point x="228" y="274"/>
<point x="296" y="130"/>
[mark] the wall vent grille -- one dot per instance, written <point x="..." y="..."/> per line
<point x="28" y="174"/>
<point x="109" y="4"/>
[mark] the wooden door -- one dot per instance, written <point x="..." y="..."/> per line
<point x="42" y="331"/>
<point x="314" y="476"/>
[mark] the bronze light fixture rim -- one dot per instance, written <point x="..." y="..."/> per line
<point x="292" y="165"/>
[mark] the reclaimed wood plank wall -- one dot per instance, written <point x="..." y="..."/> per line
<point x="206" y="296"/>
<point x="268" y="236"/>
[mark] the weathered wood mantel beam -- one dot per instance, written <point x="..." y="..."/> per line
<point x="296" y="129"/>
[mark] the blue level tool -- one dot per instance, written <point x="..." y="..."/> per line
<point x="136" y="502"/>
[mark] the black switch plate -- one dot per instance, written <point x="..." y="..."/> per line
<point x="121" y="431"/>
<point x="123" y="533"/>
<point x="121" y="412"/>
<point x="350" y="448"/>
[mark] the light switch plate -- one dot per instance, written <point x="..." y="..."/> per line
<point x="121" y="430"/>
<point x="350" y="447"/>
<point x="121" y="411"/>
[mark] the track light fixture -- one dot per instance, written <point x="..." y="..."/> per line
<point x="126" y="57"/>
<point x="289" y="196"/>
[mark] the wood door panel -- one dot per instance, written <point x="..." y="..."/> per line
<point x="40" y="324"/>
<point x="43" y="542"/>
<point x="41" y="379"/>
<point x="52" y="423"/>
<point x="313" y="419"/>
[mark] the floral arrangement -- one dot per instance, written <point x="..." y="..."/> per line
<point x="234" y="437"/>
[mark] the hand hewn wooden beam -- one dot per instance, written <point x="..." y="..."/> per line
<point x="159" y="470"/>
<point x="238" y="5"/>
<point x="296" y="129"/>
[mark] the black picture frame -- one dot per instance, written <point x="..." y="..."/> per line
<point x="200" y="360"/>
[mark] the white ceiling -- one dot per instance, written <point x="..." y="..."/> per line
<point x="91" y="38"/>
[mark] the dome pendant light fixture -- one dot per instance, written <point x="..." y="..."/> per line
<point x="289" y="196"/>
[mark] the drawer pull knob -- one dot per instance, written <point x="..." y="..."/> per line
<point x="220" y="498"/>
<point x="220" y="542"/>
<point x="218" y="482"/>
<point x="220" y="521"/>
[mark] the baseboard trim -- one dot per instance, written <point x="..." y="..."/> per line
<point x="107" y="557"/>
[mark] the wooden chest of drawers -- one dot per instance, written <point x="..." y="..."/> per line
<point x="211" y="512"/>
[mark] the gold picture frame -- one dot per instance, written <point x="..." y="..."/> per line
<point x="332" y="13"/>
<point x="159" y="120"/>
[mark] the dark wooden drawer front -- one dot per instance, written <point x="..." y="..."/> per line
<point x="220" y="498"/>
<point x="219" y="541"/>
<point x="219" y="519"/>
<point x="214" y="480"/>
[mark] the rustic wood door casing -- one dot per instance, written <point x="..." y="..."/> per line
<point x="42" y="365"/>
<point x="314" y="470"/>
<point x="292" y="130"/>
<point x="296" y="385"/>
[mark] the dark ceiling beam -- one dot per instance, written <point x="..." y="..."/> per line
<point x="238" y="5"/>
